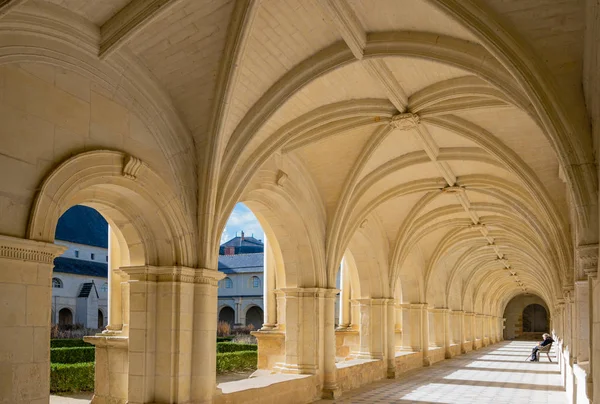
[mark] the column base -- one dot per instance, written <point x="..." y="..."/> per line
<point x="331" y="393"/>
<point x="268" y="327"/>
<point x="426" y="361"/>
<point x="391" y="373"/>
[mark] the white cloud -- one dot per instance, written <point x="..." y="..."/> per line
<point x="242" y="219"/>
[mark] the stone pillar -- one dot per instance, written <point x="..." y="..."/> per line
<point x="331" y="390"/>
<point x="269" y="299"/>
<point x="391" y="339"/>
<point x="413" y="330"/>
<point x="115" y="309"/>
<point x="425" y="334"/>
<point x="460" y="337"/>
<point x="26" y="303"/>
<point x="373" y="319"/>
<point x="470" y="328"/>
<point x="439" y="320"/>
<point x="203" y="327"/>
<point x="345" y="306"/>
<point x="303" y="317"/>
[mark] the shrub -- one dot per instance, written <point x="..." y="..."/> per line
<point x="224" y="339"/>
<point x="234" y="347"/>
<point x="68" y="343"/>
<point x="223" y="329"/>
<point x="236" y="361"/>
<point x="71" y="377"/>
<point x="71" y="331"/>
<point x="72" y="355"/>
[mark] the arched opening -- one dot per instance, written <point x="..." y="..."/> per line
<point x="100" y="319"/>
<point x="535" y="319"/>
<point x="65" y="317"/>
<point x="254" y="317"/>
<point x="227" y="315"/>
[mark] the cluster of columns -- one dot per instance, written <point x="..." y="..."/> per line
<point x="576" y="323"/>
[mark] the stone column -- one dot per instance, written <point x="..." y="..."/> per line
<point x="470" y="328"/>
<point x="391" y="338"/>
<point x="345" y="306"/>
<point x="115" y="309"/>
<point x="460" y="337"/>
<point x="203" y="327"/>
<point x="373" y="318"/>
<point x="412" y="327"/>
<point x="439" y="320"/>
<point x="331" y="390"/>
<point x="269" y="299"/>
<point x="303" y="317"/>
<point x="425" y="334"/>
<point x="26" y="303"/>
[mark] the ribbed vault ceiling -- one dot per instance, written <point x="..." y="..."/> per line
<point x="415" y="148"/>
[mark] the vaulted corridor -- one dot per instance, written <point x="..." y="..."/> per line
<point x="496" y="374"/>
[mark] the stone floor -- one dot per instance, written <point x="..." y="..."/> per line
<point x="75" y="398"/>
<point x="497" y="374"/>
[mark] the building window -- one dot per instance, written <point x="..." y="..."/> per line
<point x="76" y="253"/>
<point x="104" y="287"/>
<point x="107" y="258"/>
<point x="255" y="282"/>
<point x="93" y="256"/>
<point x="228" y="283"/>
<point x="57" y="283"/>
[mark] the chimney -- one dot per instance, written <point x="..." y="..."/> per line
<point x="230" y="250"/>
<point x="242" y="235"/>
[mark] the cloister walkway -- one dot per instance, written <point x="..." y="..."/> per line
<point x="497" y="374"/>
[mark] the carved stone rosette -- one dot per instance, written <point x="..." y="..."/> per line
<point x="405" y="121"/>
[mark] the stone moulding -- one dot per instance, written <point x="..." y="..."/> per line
<point x="29" y="250"/>
<point x="148" y="273"/>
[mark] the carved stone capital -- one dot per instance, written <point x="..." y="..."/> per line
<point x="29" y="250"/>
<point x="176" y="274"/>
<point x="587" y="259"/>
<point x="405" y="121"/>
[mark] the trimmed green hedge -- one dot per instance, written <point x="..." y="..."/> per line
<point x="224" y="339"/>
<point x="72" y="377"/>
<point x="72" y="355"/>
<point x="68" y="343"/>
<point x="234" y="361"/>
<point x="235" y="347"/>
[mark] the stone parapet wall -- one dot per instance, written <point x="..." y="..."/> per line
<point x="288" y="389"/>
<point x="406" y="361"/>
<point x="355" y="373"/>
<point x="454" y="350"/>
<point x="478" y="343"/>
<point x="467" y="346"/>
<point x="436" y="354"/>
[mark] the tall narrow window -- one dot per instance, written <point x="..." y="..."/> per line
<point x="93" y="256"/>
<point x="76" y="253"/>
<point x="255" y="282"/>
<point x="228" y="283"/>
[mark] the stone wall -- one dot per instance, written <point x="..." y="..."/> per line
<point x="436" y="354"/>
<point x="514" y="314"/>
<point x="355" y="373"/>
<point x="288" y="389"/>
<point x="406" y="361"/>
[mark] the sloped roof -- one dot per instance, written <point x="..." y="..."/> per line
<point x="241" y="263"/>
<point x="243" y="242"/>
<point x="83" y="225"/>
<point x="80" y="267"/>
<point x="87" y="288"/>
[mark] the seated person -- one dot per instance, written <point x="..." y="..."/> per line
<point x="534" y="352"/>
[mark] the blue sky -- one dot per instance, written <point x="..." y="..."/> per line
<point x="242" y="219"/>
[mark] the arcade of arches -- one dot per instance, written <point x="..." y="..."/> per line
<point x="442" y="153"/>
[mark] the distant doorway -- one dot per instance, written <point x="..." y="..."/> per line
<point x="65" y="317"/>
<point x="100" y="319"/>
<point x="535" y="318"/>
<point x="227" y="315"/>
<point x="254" y="317"/>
